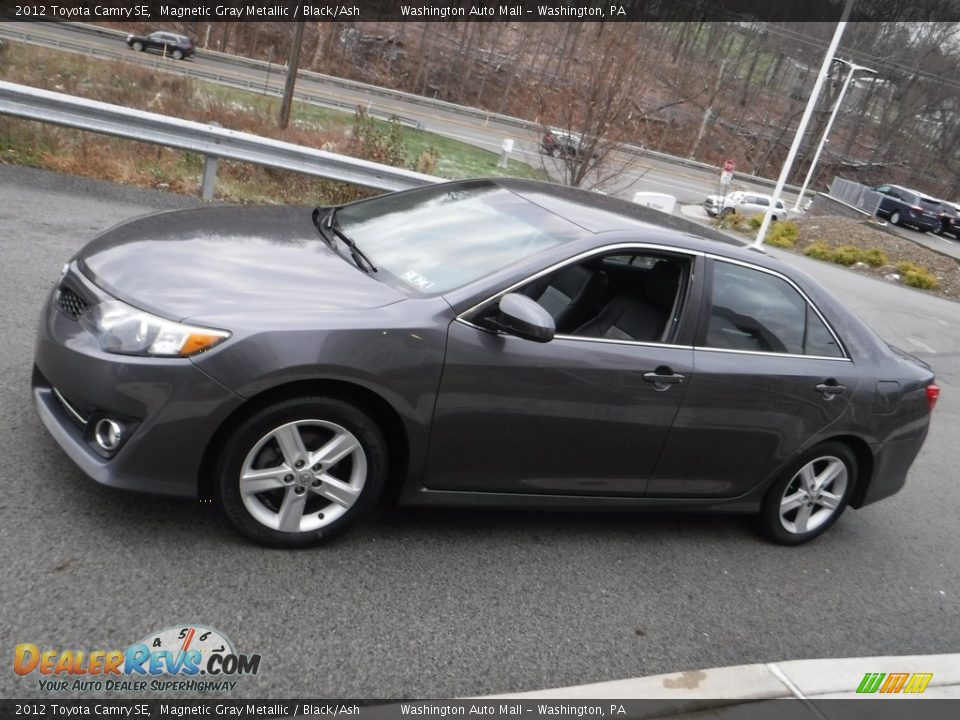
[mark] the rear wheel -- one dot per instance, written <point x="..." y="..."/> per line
<point x="300" y="471"/>
<point x="811" y="495"/>
<point x="177" y="54"/>
<point x="895" y="217"/>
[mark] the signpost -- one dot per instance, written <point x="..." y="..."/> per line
<point x="726" y="177"/>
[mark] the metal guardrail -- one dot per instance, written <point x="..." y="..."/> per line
<point x="856" y="195"/>
<point x="478" y="113"/>
<point x="211" y="141"/>
<point x="157" y="62"/>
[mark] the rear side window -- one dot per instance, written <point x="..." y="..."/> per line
<point x="755" y="311"/>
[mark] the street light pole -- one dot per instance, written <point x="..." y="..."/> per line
<point x="801" y="128"/>
<point x="826" y="131"/>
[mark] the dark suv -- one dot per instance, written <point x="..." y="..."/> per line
<point x="949" y="220"/>
<point x="908" y="207"/>
<point x="168" y="43"/>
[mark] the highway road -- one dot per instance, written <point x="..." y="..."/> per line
<point x="453" y="603"/>
<point x="687" y="184"/>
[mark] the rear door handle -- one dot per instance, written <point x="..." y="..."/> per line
<point x="831" y="388"/>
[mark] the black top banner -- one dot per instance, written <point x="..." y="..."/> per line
<point x="478" y="10"/>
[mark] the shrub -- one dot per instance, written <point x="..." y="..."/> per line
<point x="373" y="141"/>
<point x="732" y="221"/>
<point x="875" y="257"/>
<point x="783" y="234"/>
<point x="819" y="251"/>
<point x="427" y="162"/>
<point x="847" y="255"/>
<point x="920" y="278"/>
<point x="755" y="222"/>
<point x="904" y="267"/>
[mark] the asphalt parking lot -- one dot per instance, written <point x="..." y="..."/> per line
<point x="443" y="603"/>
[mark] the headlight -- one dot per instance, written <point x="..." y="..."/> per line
<point x="127" y="331"/>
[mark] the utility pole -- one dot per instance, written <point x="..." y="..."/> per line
<point x="293" y="63"/>
<point x="798" y="138"/>
<point x="826" y="131"/>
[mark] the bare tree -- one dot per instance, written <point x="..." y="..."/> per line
<point x="591" y="114"/>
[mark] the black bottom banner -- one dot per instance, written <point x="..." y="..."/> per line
<point x="493" y="709"/>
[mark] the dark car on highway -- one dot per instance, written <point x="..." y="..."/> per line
<point x="496" y="343"/>
<point x="169" y="44"/>
<point x="564" y="143"/>
<point x="908" y="207"/>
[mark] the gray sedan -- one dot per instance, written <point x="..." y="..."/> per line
<point x="495" y="343"/>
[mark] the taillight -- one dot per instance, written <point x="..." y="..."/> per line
<point x="933" y="394"/>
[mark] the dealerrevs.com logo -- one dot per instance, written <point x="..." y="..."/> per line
<point x="187" y="657"/>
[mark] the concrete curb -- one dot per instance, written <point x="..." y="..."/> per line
<point x="806" y="680"/>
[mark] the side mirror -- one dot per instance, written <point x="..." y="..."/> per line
<point x="525" y="318"/>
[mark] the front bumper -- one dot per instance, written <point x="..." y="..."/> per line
<point x="169" y="407"/>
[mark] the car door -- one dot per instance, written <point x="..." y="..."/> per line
<point x="576" y="415"/>
<point x="770" y="375"/>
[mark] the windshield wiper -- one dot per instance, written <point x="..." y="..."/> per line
<point x="330" y="223"/>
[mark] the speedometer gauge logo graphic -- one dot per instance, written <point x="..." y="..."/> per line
<point x="201" y="641"/>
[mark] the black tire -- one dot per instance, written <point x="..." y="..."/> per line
<point x="177" y="54"/>
<point x="776" y="525"/>
<point x="138" y="46"/>
<point x="727" y="212"/>
<point x="252" y="447"/>
<point x="895" y="217"/>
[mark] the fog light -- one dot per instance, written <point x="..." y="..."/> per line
<point x="108" y="434"/>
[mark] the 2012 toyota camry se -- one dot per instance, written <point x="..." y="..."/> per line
<point x="495" y="343"/>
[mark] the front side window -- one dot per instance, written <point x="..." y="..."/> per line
<point x="755" y="311"/>
<point x="633" y="296"/>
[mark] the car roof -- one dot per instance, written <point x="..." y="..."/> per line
<point x="596" y="212"/>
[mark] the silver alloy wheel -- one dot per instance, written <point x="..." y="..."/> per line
<point x="303" y="475"/>
<point x="138" y="46"/>
<point x="813" y="495"/>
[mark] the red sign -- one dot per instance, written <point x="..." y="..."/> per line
<point x="728" y="166"/>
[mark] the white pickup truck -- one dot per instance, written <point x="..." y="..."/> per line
<point x="743" y="202"/>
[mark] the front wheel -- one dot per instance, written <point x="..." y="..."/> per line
<point x="138" y="46"/>
<point x="177" y="54"/>
<point x="300" y="471"/>
<point x="810" y="496"/>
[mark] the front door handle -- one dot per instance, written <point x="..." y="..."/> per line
<point x="830" y="388"/>
<point x="663" y="377"/>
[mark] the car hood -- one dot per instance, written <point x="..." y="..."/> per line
<point x="226" y="260"/>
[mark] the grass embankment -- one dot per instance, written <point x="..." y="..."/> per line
<point x="131" y="85"/>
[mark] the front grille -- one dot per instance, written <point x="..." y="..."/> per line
<point x="70" y="303"/>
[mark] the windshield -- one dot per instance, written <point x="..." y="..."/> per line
<point x="439" y="238"/>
